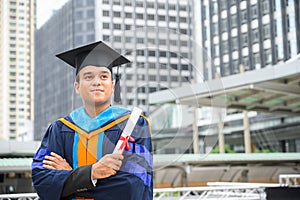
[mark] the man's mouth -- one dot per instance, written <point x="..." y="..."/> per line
<point x="97" y="90"/>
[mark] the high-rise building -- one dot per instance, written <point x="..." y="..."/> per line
<point x="244" y="35"/>
<point x="17" y="22"/>
<point x="156" y="35"/>
<point x="251" y="34"/>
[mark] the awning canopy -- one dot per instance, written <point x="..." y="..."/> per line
<point x="274" y="89"/>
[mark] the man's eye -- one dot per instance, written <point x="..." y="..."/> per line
<point x="88" y="77"/>
<point x="104" y="76"/>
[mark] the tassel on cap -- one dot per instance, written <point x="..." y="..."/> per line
<point x="117" y="95"/>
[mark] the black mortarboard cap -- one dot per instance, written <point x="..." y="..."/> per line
<point x="95" y="54"/>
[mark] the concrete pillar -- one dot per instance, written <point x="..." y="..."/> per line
<point x="195" y="133"/>
<point x="221" y="134"/>
<point x="247" y="137"/>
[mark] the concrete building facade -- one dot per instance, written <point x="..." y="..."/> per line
<point x="17" y="21"/>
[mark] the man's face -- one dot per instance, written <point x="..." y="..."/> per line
<point x="95" y="85"/>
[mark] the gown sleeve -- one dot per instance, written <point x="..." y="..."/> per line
<point x="49" y="183"/>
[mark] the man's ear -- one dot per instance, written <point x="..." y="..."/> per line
<point x="76" y="87"/>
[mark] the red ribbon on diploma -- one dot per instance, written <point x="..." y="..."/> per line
<point x="125" y="143"/>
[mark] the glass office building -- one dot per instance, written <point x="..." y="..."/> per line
<point x="249" y="34"/>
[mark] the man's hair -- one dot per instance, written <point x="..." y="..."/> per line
<point x="77" y="78"/>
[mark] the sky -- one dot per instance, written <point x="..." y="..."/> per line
<point x="45" y="9"/>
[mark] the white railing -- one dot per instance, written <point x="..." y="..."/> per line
<point x="23" y="196"/>
<point x="211" y="193"/>
<point x="214" y="191"/>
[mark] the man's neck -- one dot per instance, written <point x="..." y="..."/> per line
<point x="93" y="111"/>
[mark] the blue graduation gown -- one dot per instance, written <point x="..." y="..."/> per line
<point x="133" y="182"/>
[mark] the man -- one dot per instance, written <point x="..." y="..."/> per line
<point x="75" y="159"/>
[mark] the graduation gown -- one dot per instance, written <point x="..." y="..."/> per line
<point x="132" y="182"/>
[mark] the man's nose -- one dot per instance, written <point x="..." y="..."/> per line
<point x="97" y="80"/>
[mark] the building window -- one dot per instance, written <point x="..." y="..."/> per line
<point x="172" y="7"/>
<point x="244" y="16"/>
<point x="235" y="43"/>
<point x="139" y="16"/>
<point x="79" y="15"/>
<point x="214" y="7"/>
<point x="161" y="6"/>
<point x="233" y="21"/>
<point x="266" y="31"/>
<point x="162" y="54"/>
<point x="150" y="5"/>
<point x="117" y="26"/>
<point x="255" y="35"/>
<point x="225" y="46"/>
<point x="162" y="42"/>
<point x="256" y="59"/>
<point x="90" y="2"/>
<point x="117" y="2"/>
<point x="106" y="37"/>
<point x="128" y="15"/>
<point x="232" y="2"/>
<point x="173" y="42"/>
<point x="140" y="52"/>
<point x="117" y="14"/>
<point x="118" y="39"/>
<point x="235" y="66"/>
<point x="163" y="78"/>
<point x="90" y="26"/>
<point x="161" y="18"/>
<point x="128" y="3"/>
<point x="127" y="27"/>
<point x="223" y="25"/>
<point x="174" y="78"/>
<point x="265" y="7"/>
<point x="140" y="40"/>
<point x="105" y="25"/>
<point x="245" y="63"/>
<point x="152" y="89"/>
<point x="128" y="39"/>
<point x="152" y="65"/>
<point x="90" y="38"/>
<point x="215" y="29"/>
<point x="268" y="56"/>
<point x="216" y="51"/>
<point x="225" y="69"/>
<point x="291" y="23"/>
<point x="150" y="17"/>
<point x="182" y="19"/>
<point x="152" y="78"/>
<point x="151" y="53"/>
<point x="223" y="5"/>
<point x="183" y="31"/>
<point x="254" y="12"/>
<point x="244" y="40"/>
<point x="90" y="13"/>
<point x="183" y="43"/>
<point x="129" y="76"/>
<point x="105" y="13"/>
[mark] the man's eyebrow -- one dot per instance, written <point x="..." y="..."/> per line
<point x="87" y="73"/>
<point x="104" y="71"/>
